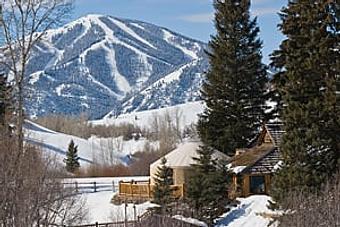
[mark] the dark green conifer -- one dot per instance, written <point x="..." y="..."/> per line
<point x="308" y="64"/>
<point x="6" y="106"/>
<point x="163" y="192"/>
<point x="2" y="99"/>
<point x="208" y="187"/>
<point x="234" y="90"/>
<point x="72" y="159"/>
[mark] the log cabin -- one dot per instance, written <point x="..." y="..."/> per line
<point x="252" y="168"/>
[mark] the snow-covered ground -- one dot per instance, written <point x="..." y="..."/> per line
<point x="97" y="150"/>
<point x="248" y="213"/>
<point x="98" y="204"/>
<point x="187" y="114"/>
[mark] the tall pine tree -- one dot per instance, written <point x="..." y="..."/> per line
<point x="208" y="187"/>
<point x="163" y="193"/>
<point x="234" y="90"/>
<point x="72" y="159"/>
<point x="308" y="61"/>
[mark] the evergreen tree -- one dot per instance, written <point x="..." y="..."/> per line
<point x="163" y="193"/>
<point x="6" y="107"/>
<point x="308" y="64"/>
<point x="234" y="90"/>
<point x="207" y="188"/>
<point x="2" y="99"/>
<point x="72" y="159"/>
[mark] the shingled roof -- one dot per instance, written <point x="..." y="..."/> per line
<point x="261" y="158"/>
<point x="251" y="155"/>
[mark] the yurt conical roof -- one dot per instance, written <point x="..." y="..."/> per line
<point x="183" y="156"/>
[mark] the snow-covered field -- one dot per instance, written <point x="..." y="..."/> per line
<point x="187" y="114"/>
<point x="97" y="150"/>
<point x="112" y="150"/>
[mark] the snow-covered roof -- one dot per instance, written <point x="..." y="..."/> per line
<point x="183" y="155"/>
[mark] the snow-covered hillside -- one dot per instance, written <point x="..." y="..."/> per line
<point x="98" y="63"/>
<point x="93" y="150"/>
<point x="187" y="114"/>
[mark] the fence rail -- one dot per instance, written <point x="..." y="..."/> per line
<point x="108" y="224"/>
<point x="92" y="186"/>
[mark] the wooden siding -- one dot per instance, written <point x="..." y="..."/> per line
<point x="144" y="190"/>
<point x="246" y="185"/>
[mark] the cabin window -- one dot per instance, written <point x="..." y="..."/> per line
<point x="257" y="184"/>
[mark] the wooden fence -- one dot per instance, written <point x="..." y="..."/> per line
<point x="108" y="224"/>
<point x="143" y="189"/>
<point x="152" y="220"/>
<point x="92" y="186"/>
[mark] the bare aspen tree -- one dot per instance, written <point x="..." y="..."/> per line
<point x="23" y="24"/>
<point x="179" y="120"/>
<point x="32" y="192"/>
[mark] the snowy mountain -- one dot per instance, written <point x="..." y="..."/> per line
<point x="99" y="64"/>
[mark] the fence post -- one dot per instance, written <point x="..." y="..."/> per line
<point x="95" y="186"/>
<point x="125" y="214"/>
<point x="97" y="224"/>
<point x="149" y="189"/>
<point x="76" y="185"/>
<point x="113" y="186"/>
<point x="131" y="188"/>
<point x="134" y="213"/>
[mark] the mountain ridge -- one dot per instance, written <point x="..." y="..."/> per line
<point x="99" y="64"/>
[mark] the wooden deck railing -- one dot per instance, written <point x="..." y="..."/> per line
<point x="143" y="189"/>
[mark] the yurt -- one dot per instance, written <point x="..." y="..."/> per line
<point x="180" y="161"/>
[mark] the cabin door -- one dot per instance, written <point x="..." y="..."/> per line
<point x="257" y="185"/>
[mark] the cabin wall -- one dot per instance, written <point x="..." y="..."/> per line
<point x="246" y="185"/>
<point x="182" y="175"/>
<point x="268" y="183"/>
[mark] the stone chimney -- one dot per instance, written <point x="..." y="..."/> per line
<point x="240" y="151"/>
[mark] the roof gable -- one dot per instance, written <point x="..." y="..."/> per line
<point x="275" y="132"/>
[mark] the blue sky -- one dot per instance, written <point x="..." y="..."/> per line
<point x="192" y="18"/>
